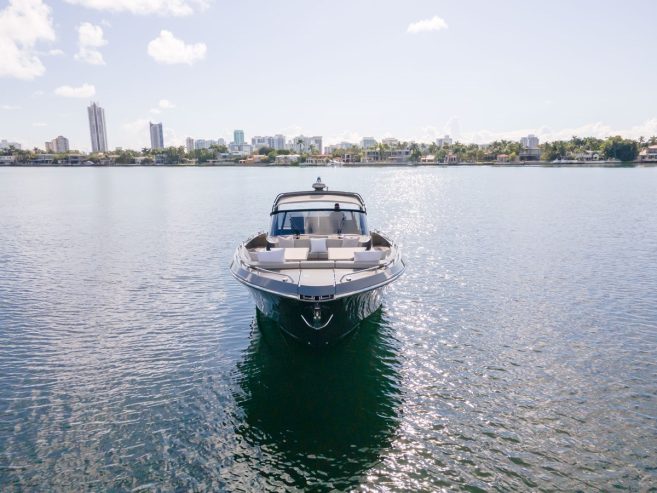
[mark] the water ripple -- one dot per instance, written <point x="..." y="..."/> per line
<point x="518" y="352"/>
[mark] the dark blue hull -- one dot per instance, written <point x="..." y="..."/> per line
<point x="318" y="322"/>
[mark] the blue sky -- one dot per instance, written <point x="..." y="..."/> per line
<point x="478" y="70"/>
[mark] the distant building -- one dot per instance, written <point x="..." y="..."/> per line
<point x="390" y="142"/>
<point x="207" y="143"/>
<point x="530" y="150"/>
<point x="189" y="144"/>
<point x="444" y="141"/>
<point x="529" y="142"/>
<point x="238" y="137"/>
<point x="259" y="142"/>
<point x="368" y="142"/>
<point x="649" y="154"/>
<point x="97" y="128"/>
<point x="279" y="142"/>
<point x="240" y="149"/>
<point x="157" y="137"/>
<point x="301" y="143"/>
<point x="287" y="159"/>
<point x="4" y="144"/>
<point x="315" y="144"/>
<point x="400" y="155"/>
<point x="57" y="145"/>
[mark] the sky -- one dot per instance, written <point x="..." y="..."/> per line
<point x="478" y="70"/>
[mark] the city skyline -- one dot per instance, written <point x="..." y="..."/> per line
<point x="414" y="72"/>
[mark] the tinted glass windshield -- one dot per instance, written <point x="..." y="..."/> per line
<point x="318" y="222"/>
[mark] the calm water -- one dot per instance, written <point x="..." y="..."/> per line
<point x="519" y="351"/>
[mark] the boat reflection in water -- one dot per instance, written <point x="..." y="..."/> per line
<point x="320" y="419"/>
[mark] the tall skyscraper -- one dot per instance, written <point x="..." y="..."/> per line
<point x="157" y="138"/>
<point x="189" y="143"/>
<point x="97" y="128"/>
<point x="238" y="137"/>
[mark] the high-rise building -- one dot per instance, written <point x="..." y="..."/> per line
<point x="368" y="142"/>
<point x="390" y="142"/>
<point x="238" y="137"/>
<point x="97" y="128"/>
<point x="315" y="144"/>
<point x="157" y="137"/>
<point x="301" y="143"/>
<point x="189" y="144"/>
<point x="529" y="142"/>
<point x="259" y="142"/>
<point x="58" y="144"/>
<point x="279" y="142"/>
<point x="205" y="143"/>
<point x="445" y="141"/>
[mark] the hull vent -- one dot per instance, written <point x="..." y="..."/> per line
<point x="323" y="297"/>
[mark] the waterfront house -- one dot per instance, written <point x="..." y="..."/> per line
<point x="649" y="154"/>
<point x="74" y="159"/>
<point x="530" y="154"/>
<point x="451" y="159"/>
<point x="254" y="159"/>
<point x="370" y="155"/>
<point x="587" y="156"/>
<point x="285" y="159"/>
<point x="7" y="160"/>
<point x="318" y="159"/>
<point x="400" y="155"/>
<point x="43" y="159"/>
<point x="503" y="158"/>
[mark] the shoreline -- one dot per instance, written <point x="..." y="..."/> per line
<point x="533" y="164"/>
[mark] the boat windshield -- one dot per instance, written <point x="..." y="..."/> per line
<point x="319" y="222"/>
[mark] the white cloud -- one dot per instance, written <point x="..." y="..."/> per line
<point x="39" y="124"/>
<point x="38" y="93"/>
<point x="84" y="91"/>
<point x="144" y="7"/>
<point x="9" y="107"/>
<point x="163" y="104"/>
<point x="56" y="52"/>
<point x="90" y="38"/>
<point x="170" y="50"/>
<point x="434" y="24"/>
<point x="23" y="23"/>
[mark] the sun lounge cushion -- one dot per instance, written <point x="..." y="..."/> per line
<point x="302" y="243"/>
<point x="273" y="255"/>
<point x="318" y="245"/>
<point x="334" y="242"/>
<point x="367" y="256"/>
<point x="349" y="242"/>
<point x="285" y="242"/>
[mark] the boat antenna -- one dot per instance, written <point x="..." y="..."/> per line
<point x="319" y="186"/>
